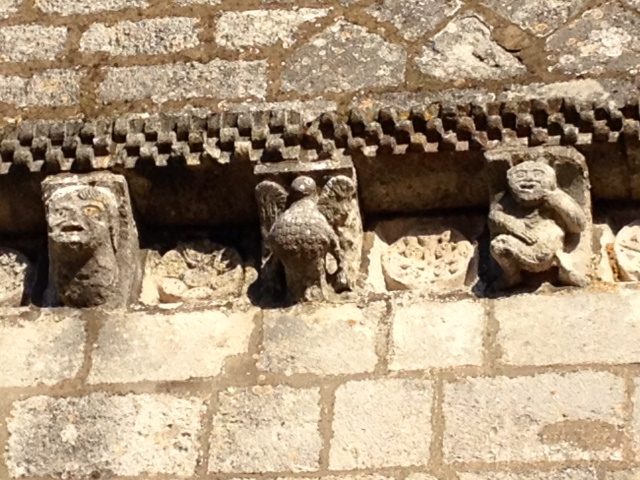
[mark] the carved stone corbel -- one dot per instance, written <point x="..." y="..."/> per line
<point x="93" y="241"/>
<point x="540" y="215"/>
<point x="311" y="226"/>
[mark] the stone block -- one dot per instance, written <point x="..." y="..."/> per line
<point x="568" y="474"/>
<point x="256" y="28"/>
<point x="266" y="429"/>
<point x="331" y="340"/>
<point x="219" y="79"/>
<point x="633" y="474"/>
<point x="547" y="417"/>
<point x="147" y="347"/>
<point x="437" y="335"/>
<point x="50" y="88"/>
<point x="155" y="36"/>
<point x="84" y="7"/>
<point x="549" y="329"/>
<point x="381" y="423"/>
<point x="9" y="7"/>
<point x="322" y="65"/>
<point x="100" y="435"/>
<point x="22" y="43"/>
<point x="44" y="348"/>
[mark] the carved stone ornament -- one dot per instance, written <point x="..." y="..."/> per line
<point x="93" y="242"/>
<point x="16" y="277"/>
<point x="540" y="218"/>
<point x="426" y="257"/>
<point x="312" y="228"/>
<point x="626" y="249"/>
<point x="198" y="270"/>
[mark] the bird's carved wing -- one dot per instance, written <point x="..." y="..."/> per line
<point x="272" y="201"/>
<point x="334" y="201"/>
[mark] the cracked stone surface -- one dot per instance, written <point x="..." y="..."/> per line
<point x="464" y="49"/>
<point x="540" y="17"/>
<point x="345" y="57"/>
<point x="414" y="18"/>
<point x="263" y="27"/>
<point x="602" y="39"/>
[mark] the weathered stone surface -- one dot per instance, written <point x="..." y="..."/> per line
<point x="551" y="330"/>
<point x="50" y="88"/>
<point x="464" y="49"/>
<point x="414" y="18"/>
<point x="602" y="39"/>
<point x="636" y="419"/>
<point x="8" y="7"/>
<point x="83" y="7"/>
<point x="539" y="17"/>
<point x="626" y="248"/>
<point x="80" y="437"/>
<point x="197" y="270"/>
<point x="256" y="28"/>
<point x="16" y="277"/>
<point x="160" y="83"/>
<point x="633" y="474"/>
<point x="43" y="350"/>
<point x="308" y="110"/>
<point x="21" y="43"/>
<point x="197" y="2"/>
<point x="536" y="226"/>
<point x="381" y="423"/>
<point x="568" y="474"/>
<point x="313" y="231"/>
<point x="432" y="256"/>
<point x="553" y="417"/>
<point x="437" y="335"/>
<point x="94" y="258"/>
<point x="345" y="57"/>
<point x="266" y="429"/>
<point x="146" y="347"/>
<point x="333" y="340"/>
<point x="148" y="37"/>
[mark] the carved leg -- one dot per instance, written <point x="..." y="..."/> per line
<point x="503" y="251"/>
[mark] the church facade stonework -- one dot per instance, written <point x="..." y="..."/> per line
<point x="319" y="240"/>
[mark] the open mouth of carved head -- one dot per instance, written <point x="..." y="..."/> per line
<point x="72" y="228"/>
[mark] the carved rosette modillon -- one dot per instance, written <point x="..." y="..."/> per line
<point x="93" y="242"/>
<point x="311" y="227"/>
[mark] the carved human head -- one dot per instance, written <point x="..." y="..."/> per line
<point x="529" y="181"/>
<point x="83" y="216"/>
<point x="303" y="186"/>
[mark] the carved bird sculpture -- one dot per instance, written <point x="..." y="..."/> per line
<point x="302" y="235"/>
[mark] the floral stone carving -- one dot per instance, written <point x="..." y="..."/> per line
<point x="198" y="270"/>
<point x="425" y="257"/>
<point x="537" y="225"/>
<point x="626" y="249"/>
<point x="16" y="277"/>
<point x="313" y="231"/>
<point x="93" y="241"/>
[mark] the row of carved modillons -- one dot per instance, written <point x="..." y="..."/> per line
<point x="540" y="223"/>
<point x="282" y="135"/>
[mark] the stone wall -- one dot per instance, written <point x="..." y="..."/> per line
<point x="88" y="58"/>
<point x="541" y="386"/>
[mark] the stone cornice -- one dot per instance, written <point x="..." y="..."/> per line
<point x="278" y="135"/>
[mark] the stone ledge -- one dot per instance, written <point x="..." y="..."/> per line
<point x="445" y="124"/>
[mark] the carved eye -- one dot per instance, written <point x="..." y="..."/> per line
<point x="92" y="211"/>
